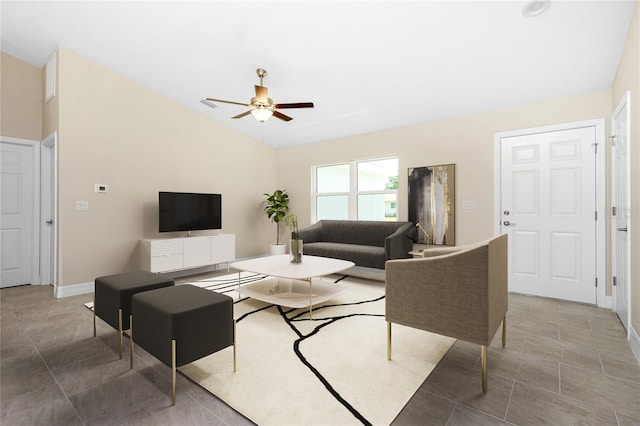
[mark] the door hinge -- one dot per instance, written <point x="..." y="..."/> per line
<point x="615" y="281"/>
<point x="595" y="147"/>
<point x="596" y="282"/>
<point x="613" y="140"/>
<point x="596" y="215"/>
<point x="613" y="211"/>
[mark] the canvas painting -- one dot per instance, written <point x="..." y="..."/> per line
<point x="432" y="204"/>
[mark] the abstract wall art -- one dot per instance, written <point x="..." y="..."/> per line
<point x="432" y="203"/>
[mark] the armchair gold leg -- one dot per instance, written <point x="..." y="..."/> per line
<point x="94" y="316"/>
<point x="130" y="342"/>
<point x="173" y="372"/>
<point x="484" y="369"/>
<point x="120" y="329"/>
<point x="504" y="332"/>
<point x="389" y="340"/>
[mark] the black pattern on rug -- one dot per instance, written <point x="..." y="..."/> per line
<point x="291" y="316"/>
<point x="302" y="337"/>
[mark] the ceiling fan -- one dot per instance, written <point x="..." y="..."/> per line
<point x="263" y="105"/>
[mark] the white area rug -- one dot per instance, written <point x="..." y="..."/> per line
<point x="332" y="370"/>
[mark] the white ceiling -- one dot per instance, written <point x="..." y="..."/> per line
<point x="367" y="65"/>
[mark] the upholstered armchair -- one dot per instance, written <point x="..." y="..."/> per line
<point x="460" y="292"/>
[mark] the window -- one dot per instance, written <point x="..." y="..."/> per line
<point x="362" y="190"/>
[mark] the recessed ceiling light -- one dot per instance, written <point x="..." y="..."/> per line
<point x="535" y="8"/>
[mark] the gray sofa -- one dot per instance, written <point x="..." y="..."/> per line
<point x="366" y="243"/>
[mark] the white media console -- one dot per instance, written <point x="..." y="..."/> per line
<point x="173" y="254"/>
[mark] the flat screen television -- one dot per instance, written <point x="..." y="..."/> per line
<point x="188" y="211"/>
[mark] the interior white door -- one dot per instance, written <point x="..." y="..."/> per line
<point x="17" y="213"/>
<point x="620" y="202"/>
<point x="548" y="206"/>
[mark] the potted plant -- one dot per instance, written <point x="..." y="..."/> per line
<point x="277" y="206"/>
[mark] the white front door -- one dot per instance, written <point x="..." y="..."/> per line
<point x="620" y="194"/>
<point x="17" y="213"/>
<point x="548" y="206"/>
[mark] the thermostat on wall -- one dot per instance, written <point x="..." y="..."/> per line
<point x="102" y="188"/>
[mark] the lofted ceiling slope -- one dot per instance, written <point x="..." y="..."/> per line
<point x="367" y="65"/>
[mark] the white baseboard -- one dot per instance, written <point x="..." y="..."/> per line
<point x="89" y="287"/>
<point x="73" y="290"/>
<point x="634" y="341"/>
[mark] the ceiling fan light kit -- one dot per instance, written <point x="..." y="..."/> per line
<point x="263" y="105"/>
<point x="262" y="114"/>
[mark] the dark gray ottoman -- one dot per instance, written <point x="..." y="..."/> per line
<point x="112" y="297"/>
<point x="181" y="324"/>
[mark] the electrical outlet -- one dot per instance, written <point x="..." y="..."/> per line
<point x="101" y="188"/>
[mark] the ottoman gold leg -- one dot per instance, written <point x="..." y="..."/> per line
<point x="130" y="342"/>
<point x="120" y="329"/>
<point x="173" y="372"/>
<point x="94" y="316"/>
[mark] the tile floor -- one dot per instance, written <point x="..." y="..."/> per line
<point x="565" y="363"/>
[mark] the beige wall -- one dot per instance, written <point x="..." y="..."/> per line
<point x="465" y="141"/>
<point x="628" y="78"/>
<point x="20" y="99"/>
<point x="115" y="131"/>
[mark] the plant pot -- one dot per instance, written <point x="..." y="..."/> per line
<point x="276" y="249"/>
<point x="295" y="250"/>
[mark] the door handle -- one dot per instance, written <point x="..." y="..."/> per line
<point x="622" y="229"/>
<point x="507" y="223"/>
<point x="50" y="222"/>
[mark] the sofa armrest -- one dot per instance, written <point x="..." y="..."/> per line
<point x="311" y="234"/>
<point x="398" y="245"/>
<point x="433" y="251"/>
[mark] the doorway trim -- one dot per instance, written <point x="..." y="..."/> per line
<point x="602" y="299"/>
<point x="625" y="101"/>
<point x="49" y="210"/>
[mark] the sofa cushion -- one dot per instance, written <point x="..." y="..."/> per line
<point x="361" y="255"/>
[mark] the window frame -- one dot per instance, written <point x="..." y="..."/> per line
<point x="353" y="194"/>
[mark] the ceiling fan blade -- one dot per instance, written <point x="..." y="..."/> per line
<point x="281" y="116"/>
<point x="262" y="94"/>
<point x="242" y="115"/>
<point x="227" y="102"/>
<point x="295" y="105"/>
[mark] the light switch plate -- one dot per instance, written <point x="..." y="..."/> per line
<point x="82" y="205"/>
<point x="468" y="204"/>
